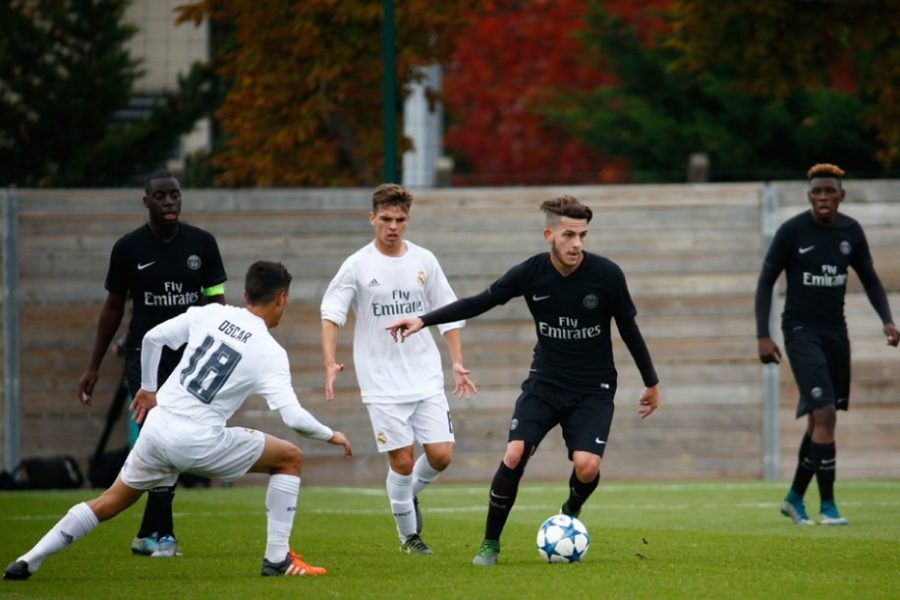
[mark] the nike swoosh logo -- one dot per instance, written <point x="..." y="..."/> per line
<point x="599" y="441"/>
<point x="539" y="298"/>
<point x="807" y="249"/>
<point x="145" y="265"/>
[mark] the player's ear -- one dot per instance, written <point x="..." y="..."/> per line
<point x="548" y="234"/>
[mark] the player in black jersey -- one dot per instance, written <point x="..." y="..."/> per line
<point x="165" y="266"/>
<point x="573" y="295"/>
<point x="815" y="249"/>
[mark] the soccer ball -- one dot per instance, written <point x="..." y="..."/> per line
<point x="562" y="539"/>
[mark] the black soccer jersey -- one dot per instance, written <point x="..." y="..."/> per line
<point x="816" y="260"/>
<point x="571" y="318"/>
<point x="163" y="278"/>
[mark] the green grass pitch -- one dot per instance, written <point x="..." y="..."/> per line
<point x="648" y="540"/>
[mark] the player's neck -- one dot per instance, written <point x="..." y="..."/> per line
<point x="393" y="250"/>
<point x="164" y="231"/>
<point x="562" y="268"/>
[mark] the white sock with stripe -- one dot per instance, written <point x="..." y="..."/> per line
<point x="78" y="522"/>
<point x="423" y="474"/>
<point x="281" y="505"/>
<point x="399" y="490"/>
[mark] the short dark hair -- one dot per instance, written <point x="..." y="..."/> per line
<point x="825" y="170"/>
<point x="391" y="194"/>
<point x="158" y="175"/>
<point x="566" y="206"/>
<point x="265" y="279"/>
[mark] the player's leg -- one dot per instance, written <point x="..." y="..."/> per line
<point x="533" y="416"/>
<point x="77" y="523"/>
<point x="433" y="427"/>
<point x="826" y="425"/>
<point x="809" y="364"/>
<point x="394" y="437"/>
<point x="283" y="461"/>
<point x="156" y="534"/>
<point x="586" y="423"/>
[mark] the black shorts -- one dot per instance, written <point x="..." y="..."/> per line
<point x="167" y="364"/>
<point x="821" y="366"/>
<point x="585" y="419"/>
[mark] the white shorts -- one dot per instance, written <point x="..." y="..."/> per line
<point x="397" y="425"/>
<point x="169" y="445"/>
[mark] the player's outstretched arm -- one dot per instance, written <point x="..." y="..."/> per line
<point x="339" y="439"/>
<point x="405" y="327"/>
<point x="141" y="405"/>
<point x="769" y="352"/>
<point x="330" y="331"/>
<point x="649" y="401"/>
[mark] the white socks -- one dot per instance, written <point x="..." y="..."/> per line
<point x="281" y="504"/>
<point x="423" y="474"/>
<point x="78" y="522"/>
<point x="399" y="490"/>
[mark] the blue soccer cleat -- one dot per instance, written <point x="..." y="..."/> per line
<point x="144" y="546"/>
<point x="829" y="515"/>
<point x="794" y="508"/>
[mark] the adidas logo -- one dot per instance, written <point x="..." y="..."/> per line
<point x="374" y="283"/>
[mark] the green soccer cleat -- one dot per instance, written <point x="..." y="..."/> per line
<point x="487" y="554"/>
<point x="829" y="515"/>
<point x="793" y="508"/>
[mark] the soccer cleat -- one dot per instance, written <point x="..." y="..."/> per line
<point x="565" y="510"/>
<point x="487" y="555"/>
<point x="144" y="546"/>
<point x="418" y="514"/>
<point x="793" y="508"/>
<point x="829" y="515"/>
<point x="291" y="565"/>
<point x="17" y="571"/>
<point x="414" y="545"/>
<point x="166" y="547"/>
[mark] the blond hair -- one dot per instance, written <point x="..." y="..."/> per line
<point x="825" y="170"/>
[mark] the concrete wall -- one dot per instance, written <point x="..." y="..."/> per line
<point x="691" y="253"/>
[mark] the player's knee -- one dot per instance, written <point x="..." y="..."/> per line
<point x="441" y="459"/>
<point x="587" y="470"/>
<point x="517" y="455"/>
<point x="292" y="459"/>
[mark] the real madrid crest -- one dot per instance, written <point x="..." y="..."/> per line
<point x="420" y="277"/>
<point x="381" y="437"/>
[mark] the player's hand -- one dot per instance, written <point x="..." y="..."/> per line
<point x="464" y="387"/>
<point x="331" y="373"/>
<point x="769" y="352"/>
<point x="892" y="335"/>
<point x="86" y="387"/>
<point x="141" y="405"/>
<point x="339" y="439"/>
<point x="649" y="401"/>
<point x="405" y="328"/>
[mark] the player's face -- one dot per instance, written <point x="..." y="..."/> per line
<point x="163" y="201"/>
<point x="566" y="241"/>
<point x="825" y="194"/>
<point x="390" y="224"/>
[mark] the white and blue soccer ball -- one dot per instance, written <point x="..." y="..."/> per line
<point x="563" y="539"/>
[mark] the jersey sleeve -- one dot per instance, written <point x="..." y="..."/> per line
<point x="213" y="267"/>
<point x="173" y="333"/>
<point x="275" y="381"/>
<point x="622" y="305"/>
<point x="862" y="256"/>
<point x="439" y="293"/>
<point x="511" y="284"/>
<point x="339" y="295"/>
<point x="779" y="251"/>
<point x="117" y="280"/>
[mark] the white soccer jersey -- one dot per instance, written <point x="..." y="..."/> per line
<point x="382" y="289"/>
<point x="230" y="354"/>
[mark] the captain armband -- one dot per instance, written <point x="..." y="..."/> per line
<point x="215" y="290"/>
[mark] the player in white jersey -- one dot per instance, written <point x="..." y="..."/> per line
<point x="402" y="386"/>
<point x="230" y="355"/>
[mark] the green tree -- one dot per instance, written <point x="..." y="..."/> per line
<point x="65" y="71"/>
<point x="303" y="105"/>
<point x="776" y="45"/>
<point x="657" y="114"/>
